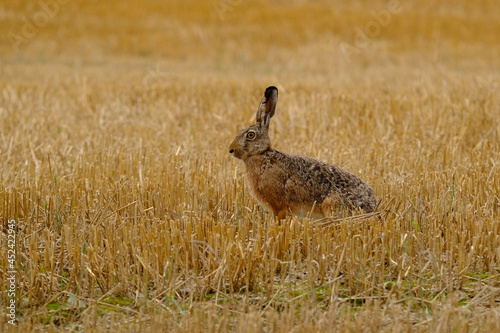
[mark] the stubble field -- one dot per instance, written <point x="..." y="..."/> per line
<point x="130" y="215"/>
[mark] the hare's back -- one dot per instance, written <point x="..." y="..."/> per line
<point x="314" y="180"/>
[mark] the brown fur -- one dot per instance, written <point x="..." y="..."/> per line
<point x="292" y="183"/>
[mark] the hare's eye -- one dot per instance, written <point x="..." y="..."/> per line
<point x="251" y="135"/>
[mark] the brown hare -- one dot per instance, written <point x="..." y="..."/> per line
<point x="292" y="183"/>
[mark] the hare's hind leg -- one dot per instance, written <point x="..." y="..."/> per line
<point x="332" y="205"/>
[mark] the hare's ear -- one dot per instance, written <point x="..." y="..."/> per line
<point x="267" y="106"/>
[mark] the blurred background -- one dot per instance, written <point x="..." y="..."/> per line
<point x="334" y="39"/>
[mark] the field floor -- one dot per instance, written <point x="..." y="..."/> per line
<point x="126" y="213"/>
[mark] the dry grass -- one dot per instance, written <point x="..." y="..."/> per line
<point x="132" y="216"/>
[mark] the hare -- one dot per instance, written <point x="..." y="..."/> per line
<point x="292" y="183"/>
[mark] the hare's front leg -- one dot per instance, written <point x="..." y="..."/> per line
<point x="280" y="213"/>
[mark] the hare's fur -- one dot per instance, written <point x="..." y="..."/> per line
<point x="292" y="183"/>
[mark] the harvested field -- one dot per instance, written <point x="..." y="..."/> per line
<point x="130" y="215"/>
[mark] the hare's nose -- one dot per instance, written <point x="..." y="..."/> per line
<point x="231" y="151"/>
